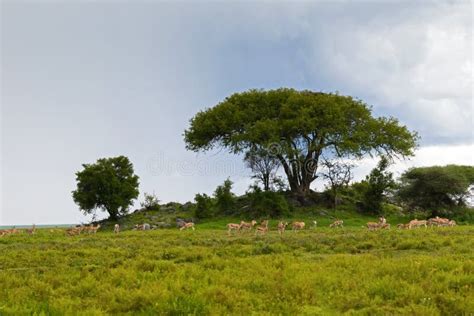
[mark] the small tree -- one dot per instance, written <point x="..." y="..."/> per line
<point x="225" y="199"/>
<point x="150" y="202"/>
<point x="338" y="174"/>
<point x="204" y="206"/>
<point x="109" y="185"/>
<point x="377" y="185"/>
<point x="264" y="166"/>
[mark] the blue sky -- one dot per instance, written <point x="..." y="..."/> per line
<point x="83" y="80"/>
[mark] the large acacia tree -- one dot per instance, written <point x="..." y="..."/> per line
<point x="298" y="127"/>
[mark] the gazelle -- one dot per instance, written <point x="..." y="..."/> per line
<point x="144" y="226"/>
<point x="32" y="230"/>
<point x="438" y="221"/>
<point x="281" y="227"/>
<point x="337" y="223"/>
<point x="384" y="225"/>
<point x="187" y="225"/>
<point x="297" y="226"/>
<point x="12" y="231"/>
<point x="93" y="229"/>
<point x="403" y="226"/>
<point x="231" y="227"/>
<point x="373" y="225"/>
<point x="417" y="223"/>
<point x="116" y="228"/>
<point x="73" y="231"/>
<point x="263" y="228"/>
<point x="245" y="225"/>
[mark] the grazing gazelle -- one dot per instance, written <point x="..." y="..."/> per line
<point x="245" y="225"/>
<point x="417" y="223"/>
<point x="187" y="225"/>
<point x="373" y="225"/>
<point x="337" y="223"/>
<point x="281" y="227"/>
<point x="231" y="227"/>
<point x="403" y="226"/>
<point x="297" y="226"/>
<point x="73" y="231"/>
<point x="116" y="228"/>
<point x="32" y="230"/>
<point x="12" y="231"/>
<point x="263" y="228"/>
<point x="144" y="226"/>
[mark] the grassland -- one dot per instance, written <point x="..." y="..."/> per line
<point x="167" y="272"/>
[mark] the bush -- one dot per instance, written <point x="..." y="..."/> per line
<point x="267" y="203"/>
<point x="204" y="206"/>
<point x="224" y="198"/>
<point x="150" y="202"/>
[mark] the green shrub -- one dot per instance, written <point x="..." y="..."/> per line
<point x="267" y="204"/>
<point x="204" y="206"/>
<point x="224" y="198"/>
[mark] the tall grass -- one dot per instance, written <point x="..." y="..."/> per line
<point x="313" y="272"/>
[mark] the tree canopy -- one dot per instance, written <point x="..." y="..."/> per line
<point x="298" y="128"/>
<point x="436" y="187"/>
<point x="109" y="185"/>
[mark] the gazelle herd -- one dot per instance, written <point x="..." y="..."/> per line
<point x="14" y="231"/>
<point x="83" y="228"/>
<point x="261" y="229"/>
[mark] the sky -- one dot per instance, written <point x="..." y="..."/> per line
<point x="82" y="80"/>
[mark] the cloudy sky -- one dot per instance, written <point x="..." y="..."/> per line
<point x="82" y="80"/>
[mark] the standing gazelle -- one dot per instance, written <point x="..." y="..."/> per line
<point x="281" y="227"/>
<point x="231" y="227"/>
<point x="247" y="226"/>
<point x="32" y="230"/>
<point x="263" y="228"/>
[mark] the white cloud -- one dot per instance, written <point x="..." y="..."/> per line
<point x="417" y="67"/>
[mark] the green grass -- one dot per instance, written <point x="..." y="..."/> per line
<point x="168" y="272"/>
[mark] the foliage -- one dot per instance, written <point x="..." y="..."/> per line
<point x="376" y="186"/>
<point x="109" y="185"/>
<point x="436" y="187"/>
<point x="204" y="206"/>
<point x="264" y="204"/>
<point x="169" y="272"/>
<point x="224" y="198"/>
<point x="299" y="127"/>
<point x="264" y="165"/>
<point x="150" y="202"/>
